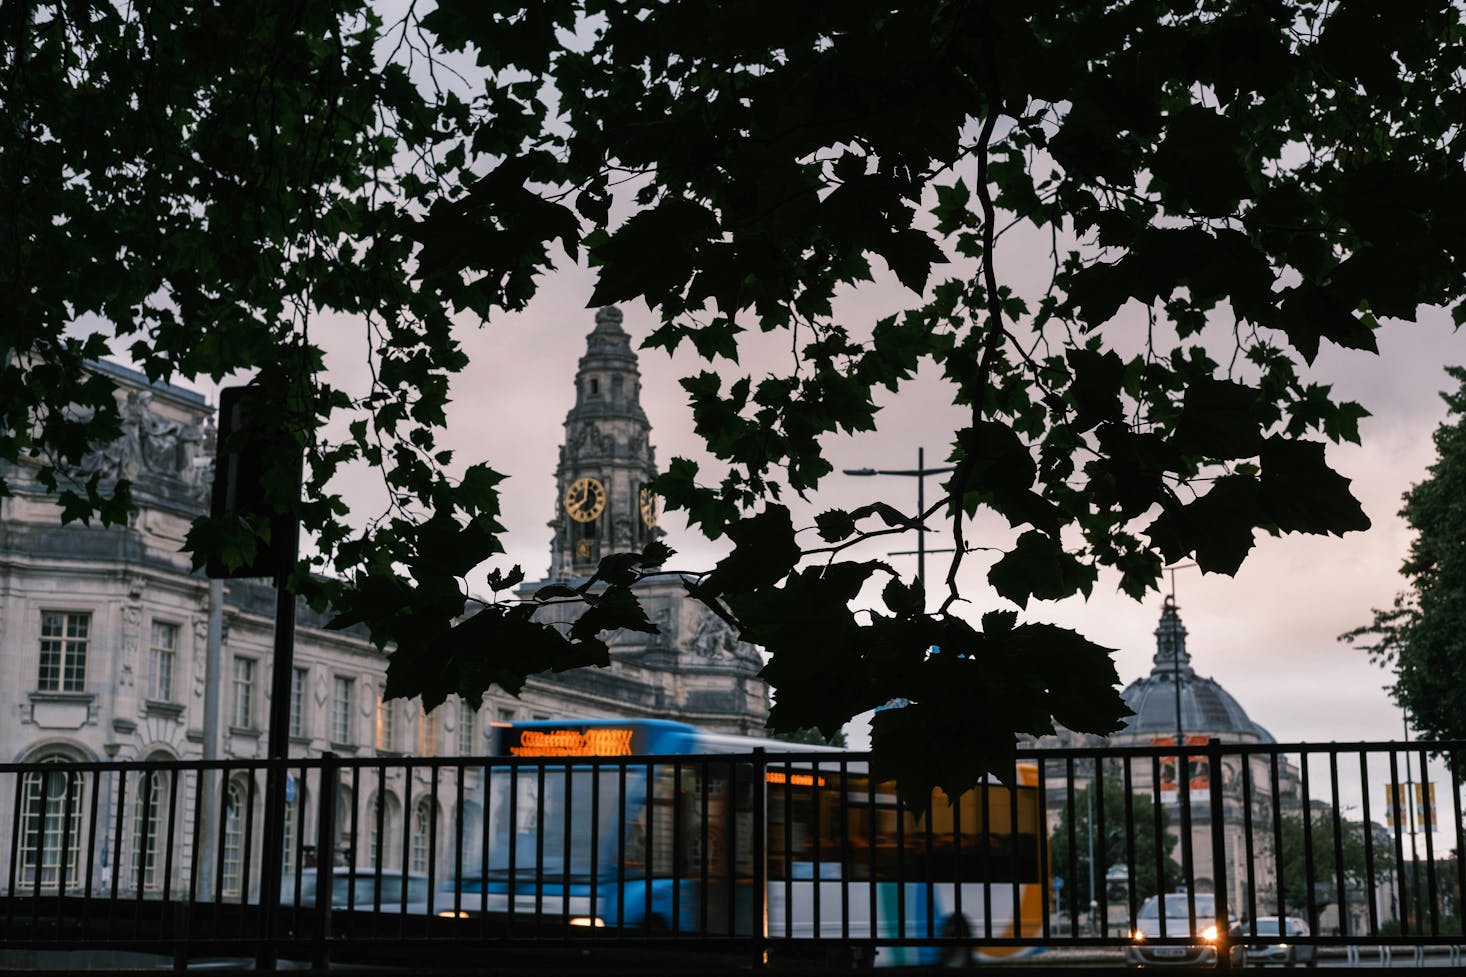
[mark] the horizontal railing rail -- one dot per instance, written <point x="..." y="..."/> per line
<point x="1225" y="853"/>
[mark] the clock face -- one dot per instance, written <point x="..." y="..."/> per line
<point x="585" y="499"/>
<point x="647" y="500"/>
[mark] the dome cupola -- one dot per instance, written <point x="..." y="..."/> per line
<point x="1173" y="695"/>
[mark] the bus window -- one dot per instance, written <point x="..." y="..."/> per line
<point x="865" y="834"/>
<point x="533" y="824"/>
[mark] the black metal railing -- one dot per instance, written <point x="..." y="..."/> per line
<point x="1232" y="851"/>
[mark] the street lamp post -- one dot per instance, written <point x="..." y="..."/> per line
<point x="1410" y="802"/>
<point x="920" y="472"/>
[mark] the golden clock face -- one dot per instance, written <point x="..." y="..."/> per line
<point x="647" y="500"/>
<point x="585" y="499"/>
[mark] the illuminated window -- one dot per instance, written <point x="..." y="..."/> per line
<point x="64" y="639"/>
<point x="244" y="693"/>
<point x="427" y="733"/>
<point x="51" y="805"/>
<point x="162" y="657"/>
<point x="341" y="710"/>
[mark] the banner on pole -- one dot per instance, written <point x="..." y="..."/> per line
<point x="1198" y="773"/>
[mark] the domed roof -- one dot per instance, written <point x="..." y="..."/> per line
<point x="1206" y="708"/>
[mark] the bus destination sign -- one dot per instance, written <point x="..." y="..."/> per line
<point x="588" y="741"/>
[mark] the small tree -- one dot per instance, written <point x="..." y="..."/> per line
<point x="1112" y="848"/>
<point x="1323" y="876"/>
<point x="1422" y="637"/>
<point x="813" y="737"/>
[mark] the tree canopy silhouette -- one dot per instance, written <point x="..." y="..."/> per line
<point x="1226" y="184"/>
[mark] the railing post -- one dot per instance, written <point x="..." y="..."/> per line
<point x="759" y="925"/>
<point x="325" y="859"/>
<point x="1219" y="853"/>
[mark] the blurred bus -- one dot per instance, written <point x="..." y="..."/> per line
<point x="657" y="827"/>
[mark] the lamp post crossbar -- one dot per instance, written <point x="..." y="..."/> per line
<point x="920" y="472"/>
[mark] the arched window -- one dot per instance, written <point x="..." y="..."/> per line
<point x="153" y="800"/>
<point x="468" y="826"/>
<point x="236" y="800"/>
<point x="346" y="824"/>
<point x="51" y="806"/>
<point x="422" y="826"/>
<point x="387" y="841"/>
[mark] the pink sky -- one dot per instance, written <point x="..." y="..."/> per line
<point x="1268" y="635"/>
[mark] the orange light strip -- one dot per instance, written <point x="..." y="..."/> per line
<point x="573" y="742"/>
<point x="797" y="779"/>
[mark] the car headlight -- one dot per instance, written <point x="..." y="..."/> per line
<point x="1137" y="936"/>
<point x="1209" y="934"/>
<point x="587" y="921"/>
<point x="453" y="913"/>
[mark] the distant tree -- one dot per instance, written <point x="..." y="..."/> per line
<point x="1112" y="848"/>
<point x="209" y="186"/>
<point x="1299" y="874"/>
<point x="1422" y="636"/>
<point x="811" y="737"/>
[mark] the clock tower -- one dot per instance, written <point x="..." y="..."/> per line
<point x="693" y="668"/>
<point x="604" y="500"/>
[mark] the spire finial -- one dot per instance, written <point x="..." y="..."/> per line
<point x="608" y="319"/>
<point x="1170" y="639"/>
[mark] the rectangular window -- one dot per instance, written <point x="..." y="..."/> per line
<point x="64" y="640"/>
<point x="162" y="657"/>
<point x="427" y="734"/>
<point x="244" y="693"/>
<point x="292" y="813"/>
<point x="341" y="710"/>
<point x="466" y="717"/>
<point x="386" y="731"/>
<point x="297" y="701"/>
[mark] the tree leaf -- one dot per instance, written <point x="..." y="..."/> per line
<point x="764" y="552"/>
<point x="835" y="525"/>
<point x="1039" y="567"/>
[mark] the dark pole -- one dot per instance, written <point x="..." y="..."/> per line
<point x="920" y="511"/>
<point x="278" y="747"/>
<point x="1410" y="802"/>
<point x="919" y="473"/>
<point x="252" y="441"/>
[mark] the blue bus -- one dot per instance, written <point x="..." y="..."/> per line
<point x="657" y="827"/>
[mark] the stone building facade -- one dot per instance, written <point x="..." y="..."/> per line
<point x="1175" y="700"/>
<point x="106" y="635"/>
